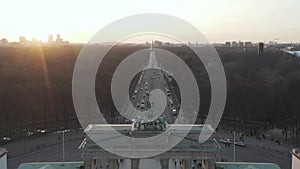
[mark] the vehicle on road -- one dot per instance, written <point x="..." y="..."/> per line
<point x="174" y="111"/>
<point x="6" y="138"/>
<point x="171" y="102"/>
<point x="142" y="106"/>
<point x="168" y="92"/>
<point x="240" y="143"/>
<point x="225" y="141"/>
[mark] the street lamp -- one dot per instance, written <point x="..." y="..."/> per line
<point x="63" y="143"/>
<point x="234" y="146"/>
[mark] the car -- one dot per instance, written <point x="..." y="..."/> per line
<point x="148" y="104"/>
<point x="240" y="143"/>
<point x="133" y="97"/>
<point x="142" y="106"/>
<point x="6" y="138"/>
<point x="138" y="105"/>
<point x="174" y="111"/>
<point x="225" y="141"/>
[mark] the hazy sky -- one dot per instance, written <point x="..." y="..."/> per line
<point x="219" y="20"/>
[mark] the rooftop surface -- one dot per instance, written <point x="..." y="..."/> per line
<point x="3" y="151"/>
<point x="52" y="165"/>
<point x="94" y="128"/>
<point x="294" y="53"/>
<point x="242" y="165"/>
<point x="187" y="142"/>
<point x="210" y="145"/>
<point x="296" y="152"/>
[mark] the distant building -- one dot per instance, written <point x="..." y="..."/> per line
<point x="3" y="158"/>
<point x="227" y="44"/>
<point x="295" y="159"/>
<point x="58" y="39"/>
<point x="260" y="49"/>
<point x="50" y="38"/>
<point x="248" y="44"/>
<point x="3" y="42"/>
<point x="157" y="43"/>
<point x="241" y="44"/>
<point x="22" y="39"/>
<point x="234" y="44"/>
<point x="35" y="42"/>
<point x="168" y="44"/>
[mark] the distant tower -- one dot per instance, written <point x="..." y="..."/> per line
<point x="234" y="44"/>
<point x="22" y="39"/>
<point x="3" y="41"/>
<point x="248" y="44"/>
<point x="58" y="39"/>
<point x="227" y="44"/>
<point x="50" y="38"/>
<point x="260" y="49"/>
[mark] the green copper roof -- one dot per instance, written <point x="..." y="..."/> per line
<point x="186" y="143"/>
<point x="52" y="165"/>
<point x="242" y="165"/>
<point x="174" y="131"/>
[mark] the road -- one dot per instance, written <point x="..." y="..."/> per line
<point x="253" y="152"/>
<point x="53" y="153"/>
<point x="153" y="77"/>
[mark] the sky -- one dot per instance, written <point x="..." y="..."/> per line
<point x="218" y="20"/>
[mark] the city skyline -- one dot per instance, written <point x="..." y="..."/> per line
<point x="219" y="21"/>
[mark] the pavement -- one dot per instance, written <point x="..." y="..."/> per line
<point x="154" y="77"/>
<point x="255" y="151"/>
<point x="45" y="148"/>
<point x="49" y="154"/>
